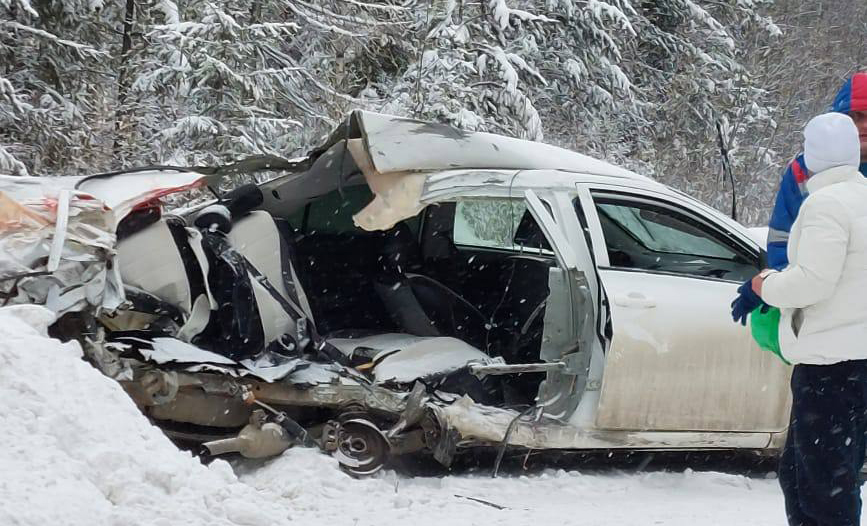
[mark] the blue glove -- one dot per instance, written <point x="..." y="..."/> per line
<point x="746" y="302"/>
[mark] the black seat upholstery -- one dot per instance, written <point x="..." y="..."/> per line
<point x="520" y="316"/>
<point x="417" y="303"/>
<point x="400" y="254"/>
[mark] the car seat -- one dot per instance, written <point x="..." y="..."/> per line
<point x="255" y="236"/>
<point x="400" y="254"/>
<point x="162" y="261"/>
<point x="419" y="304"/>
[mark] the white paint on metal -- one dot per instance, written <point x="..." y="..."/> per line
<point x="59" y="231"/>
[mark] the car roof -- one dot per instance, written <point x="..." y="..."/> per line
<point x="376" y="143"/>
<point x="447" y="181"/>
<point x="397" y="144"/>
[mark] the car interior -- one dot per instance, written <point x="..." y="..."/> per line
<point x="413" y="279"/>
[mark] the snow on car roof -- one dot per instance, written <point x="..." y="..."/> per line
<point x="23" y="188"/>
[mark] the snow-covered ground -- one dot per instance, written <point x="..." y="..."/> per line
<point x="76" y="451"/>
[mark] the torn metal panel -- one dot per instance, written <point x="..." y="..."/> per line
<point x="26" y="188"/>
<point x="104" y="356"/>
<point x="266" y="366"/>
<point x="14" y="215"/>
<point x="124" y="191"/>
<point x="569" y="339"/>
<point x="372" y="397"/>
<point x="291" y="391"/>
<point x="165" y="350"/>
<point x="59" y="231"/>
<point x="63" y="230"/>
<point x="396" y="144"/>
<point x="57" y="251"/>
<point x="478" y="424"/>
<point x="568" y="336"/>
<point x="559" y="318"/>
<point x="480" y="370"/>
<point x="272" y="378"/>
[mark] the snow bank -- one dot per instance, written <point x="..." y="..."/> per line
<point x="76" y="450"/>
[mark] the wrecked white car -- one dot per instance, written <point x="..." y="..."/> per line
<point x="407" y="287"/>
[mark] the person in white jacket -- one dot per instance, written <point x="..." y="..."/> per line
<point x="822" y="295"/>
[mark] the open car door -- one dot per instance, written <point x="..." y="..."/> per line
<point x="571" y="316"/>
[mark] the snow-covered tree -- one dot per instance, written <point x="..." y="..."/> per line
<point x="87" y="84"/>
<point x="52" y="78"/>
<point x="216" y="81"/>
<point x="637" y="82"/>
<point x="820" y="45"/>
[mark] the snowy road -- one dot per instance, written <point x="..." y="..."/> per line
<point x="315" y="492"/>
<point x="76" y="451"/>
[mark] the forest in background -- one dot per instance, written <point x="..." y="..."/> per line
<point x="93" y="85"/>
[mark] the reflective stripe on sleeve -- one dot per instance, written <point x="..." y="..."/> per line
<point x="777" y="236"/>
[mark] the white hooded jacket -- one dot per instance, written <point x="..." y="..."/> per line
<point x="822" y="294"/>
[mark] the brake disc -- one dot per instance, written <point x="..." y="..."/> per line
<point x="361" y="448"/>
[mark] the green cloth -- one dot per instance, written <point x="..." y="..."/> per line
<point x="766" y="330"/>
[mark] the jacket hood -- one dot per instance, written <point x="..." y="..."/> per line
<point x="853" y="95"/>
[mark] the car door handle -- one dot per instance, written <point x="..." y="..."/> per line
<point x="634" y="300"/>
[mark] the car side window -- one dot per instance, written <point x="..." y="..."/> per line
<point x="498" y="223"/>
<point x="645" y="236"/>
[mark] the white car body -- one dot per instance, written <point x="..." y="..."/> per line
<point x="633" y="357"/>
<point x="678" y="372"/>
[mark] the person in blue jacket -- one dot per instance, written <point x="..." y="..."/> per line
<point x="822" y="502"/>
<point x="851" y="100"/>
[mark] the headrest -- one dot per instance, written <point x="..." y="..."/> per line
<point x="400" y="247"/>
<point x="242" y="200"/>
<point x="233" y="205"/>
